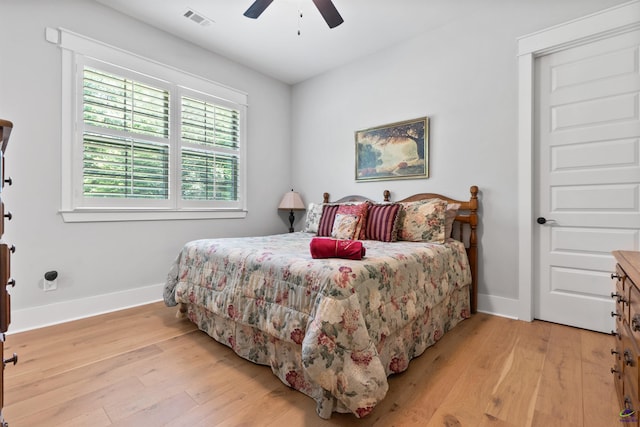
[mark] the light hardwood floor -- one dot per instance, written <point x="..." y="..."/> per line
<point x="143" y="367"/>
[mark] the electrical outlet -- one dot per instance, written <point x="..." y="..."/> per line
<point x="50" y="285"/>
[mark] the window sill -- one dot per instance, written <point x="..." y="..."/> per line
<point x="147" y="215"/>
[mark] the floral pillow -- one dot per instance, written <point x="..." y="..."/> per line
<point x="361" y="210"/>
<point x="345" y="226"/>
<point x="423" y="221"/>
<point x="312" y="220"/>
<point x="450" y="217"/>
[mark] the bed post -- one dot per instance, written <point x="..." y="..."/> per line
<point x="473" y="247"/>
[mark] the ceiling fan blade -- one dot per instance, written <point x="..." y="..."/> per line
<point x="257" y="8"/>
<point x="329" y="12"/>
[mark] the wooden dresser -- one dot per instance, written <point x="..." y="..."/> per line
<point x="5" y="265"/>
<point x="627" y="334"/>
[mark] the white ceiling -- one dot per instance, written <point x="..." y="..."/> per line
<point x="271" y="43"/>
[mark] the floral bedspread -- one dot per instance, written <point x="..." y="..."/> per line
<point x="339" y="312"/>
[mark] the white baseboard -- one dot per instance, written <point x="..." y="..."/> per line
<point x="66" y="311"/>
<point x="499" y="306"/>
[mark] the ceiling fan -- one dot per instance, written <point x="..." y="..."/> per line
<point x="326" y="8"/>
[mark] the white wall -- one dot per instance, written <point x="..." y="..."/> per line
<point x="464" y="77"/>
<point x="117" y="258"/>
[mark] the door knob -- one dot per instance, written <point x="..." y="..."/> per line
<point x="542" y="220"/>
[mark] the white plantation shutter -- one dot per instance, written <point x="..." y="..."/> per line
<point x="117" y="102"/>
<point x="125" y="139"/>
<point x="118" y="167"/>
<point x="209" y="124"/>
<point x="210" y="155"/>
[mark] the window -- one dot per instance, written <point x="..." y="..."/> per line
<point x="125" y="138"/>
<point x="210" y="135"/>
<point x="148" y="141"/>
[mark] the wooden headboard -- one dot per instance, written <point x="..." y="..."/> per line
<point x="466" y="232"/>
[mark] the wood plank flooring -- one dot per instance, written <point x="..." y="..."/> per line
<point x="144" y="367"/>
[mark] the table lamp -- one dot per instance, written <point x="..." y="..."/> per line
<point x="291" y="201"/>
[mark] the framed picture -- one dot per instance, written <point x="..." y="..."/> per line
<point x="395" y="151"/>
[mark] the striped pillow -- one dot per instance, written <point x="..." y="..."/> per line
<point x="326" y="220"/>
<point x="382" y="223"/>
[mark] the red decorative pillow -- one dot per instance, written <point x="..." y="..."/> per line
<point x="382" y="223"/>
<point x="361" y="210"/>
<point x="326" y="220"/>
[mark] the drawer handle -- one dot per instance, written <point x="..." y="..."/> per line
<point x="13" y="360"/>
<point x="619" y="298"/>
<point x="628" y="358"/>
<point x="9" y="181"/>
<point x="616" y="276"/>
<point x="627" y="403"/>
<point x="12" y="283"/>
<point x="614" y="314"/>
<point x="12" y="249"/>
<point x="614" y="351"/>
<point x="614" y="371"/>
<point x="617" y="335"/>
<point x="8" y="215"/>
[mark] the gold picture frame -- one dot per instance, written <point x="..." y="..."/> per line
<point x="394" y="151"/>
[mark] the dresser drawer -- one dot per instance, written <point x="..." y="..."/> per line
<point x="617" y="368"/>
<point x="634" y="310"/>
<point x="622" y="293"/>
<point x="5" y="277"/>
<point x="630" y="402"/>
<point x="630" y="361"/>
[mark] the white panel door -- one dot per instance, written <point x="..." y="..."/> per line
<point x="587" y="163"/>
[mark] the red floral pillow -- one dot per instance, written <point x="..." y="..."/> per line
<point x="361" y="210"/>
<point x="329" y="211"/>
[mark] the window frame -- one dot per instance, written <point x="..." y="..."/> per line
<point x="78" y="51"/>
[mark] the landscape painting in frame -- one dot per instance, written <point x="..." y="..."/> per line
<point x="395" y="151"/>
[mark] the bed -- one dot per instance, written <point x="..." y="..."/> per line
<point x="336" y="328"/>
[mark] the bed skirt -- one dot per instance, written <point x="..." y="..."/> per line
<point x="285" y="358"/>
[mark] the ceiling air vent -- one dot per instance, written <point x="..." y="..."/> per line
<point x="197" y="17"/>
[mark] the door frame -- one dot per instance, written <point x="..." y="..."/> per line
<point x="600" y="25"/>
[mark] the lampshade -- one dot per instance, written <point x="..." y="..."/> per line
<point x="292" y="201"/>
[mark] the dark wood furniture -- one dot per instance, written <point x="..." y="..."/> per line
<point x="627" y="333"/>
<point x="5" y="266"/>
